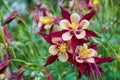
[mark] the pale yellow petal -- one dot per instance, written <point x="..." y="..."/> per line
<point x="75" y="18"/>
<point x="63" y="57"/>
<point x="53" y="50"/>
<point x="67" y="36"/>
<point x="90" y="60"/>
<point x="84" y="24"/>
<point x="80" y="35"/>
<point x="64" y="24"/>
<point x="79" y="60"/>
<point x="93" y="52"/>
<point x="56" y="39"/>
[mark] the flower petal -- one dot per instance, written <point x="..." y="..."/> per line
<point x="103" y="60"/>
<point x="90" y="60"/>
<point x="79" y="60"/>
<point x="64" y="24"/>
<point x="75" y="18"/>
<point x="63" y="57"/>
<point x="65" y="14"/>
<point x="82" y="70"/>
<point x="93" y="52"/>
<point x="84" y="24"/>
<point x="80" y="34"/>
<point x="90" y="33"/>
<point x="48" y="26"/>
<point x="51" y="59"/>
<point x="67" y="35"/>
<point x="72" y="60"/>
<point x="53" y="50"/>
<point x="89" y="15"/>
<point x="56" y="39"/>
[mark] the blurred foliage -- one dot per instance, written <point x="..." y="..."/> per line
<point x="32" y="51"/>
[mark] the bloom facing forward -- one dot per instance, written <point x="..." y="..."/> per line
<point x="60" y="48"/>
<point x="74" y="27"/>
<point x="86" y="54"/>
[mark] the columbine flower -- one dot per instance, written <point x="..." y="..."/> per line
<point x="74" y="27"/>
<point x="87" y="60"/>
<point x="46" y="21"/>
<point x="86" y="54"/>
<point x="60" y="49"/>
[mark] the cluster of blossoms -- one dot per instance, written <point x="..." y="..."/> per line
<point x="71" y="42"/>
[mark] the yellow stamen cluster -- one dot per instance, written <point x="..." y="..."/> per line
<point x="85" y="53"/>
<point x="46" y="20"/>
<point x="95" y="2"/>
<point x="2" y="76"/>
<point x="73" y="26"/>
<point x="63" y="48"/>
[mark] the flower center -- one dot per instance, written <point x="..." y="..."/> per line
<point x="63" y="48"/>
<point x="95" y="2"/>
<point x="2" y="75"/>
<point x="46" y="20"/>
<point x="85" y="53"/>
<point x="73" y="26"/>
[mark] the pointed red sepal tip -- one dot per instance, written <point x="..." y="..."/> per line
<point x="48" y="37"/>
<point x="104" y="60"/>
<point x="65" y="14"/>
<point x="89" y="15"/>
<point x="50" y="60"/>
<point x="11" y="17"/>
<point x="90" y="33"/>
<point x="82" y="70"/>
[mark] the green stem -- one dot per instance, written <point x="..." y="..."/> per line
<point x="111" y="47"/>
<point x="101" y="45"/>
<point x="7" y="6"/>
<point x="28" y="64"/>
<point x="23" y="21"/>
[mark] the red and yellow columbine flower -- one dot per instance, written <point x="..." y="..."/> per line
<point x="87" y="60"/>
<point x="60" y="48"/>
<point x="86" y="54"/>
<point x="74" y="27"/>
<point x="45" y="21"/>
